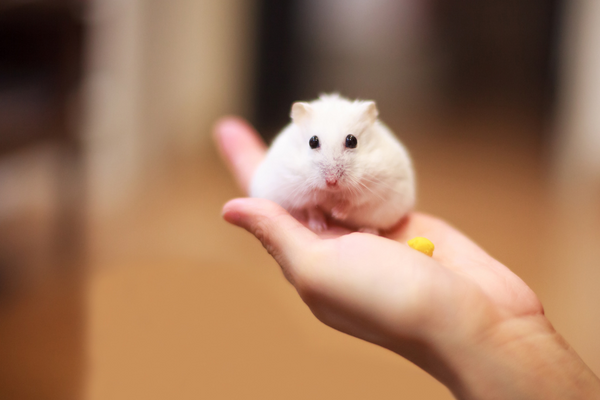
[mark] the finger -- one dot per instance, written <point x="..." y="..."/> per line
<point x="441" y="231"/>
<point x="241" y="147"/>
<point x="452" y="248"/>
<point x="286" y="239"/>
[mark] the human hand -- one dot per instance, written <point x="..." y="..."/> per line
<point x="460" y="315"/>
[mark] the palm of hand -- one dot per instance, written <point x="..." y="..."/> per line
<point x="377" y="288"/>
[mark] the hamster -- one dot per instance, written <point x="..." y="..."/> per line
<point x="336" y="159"/>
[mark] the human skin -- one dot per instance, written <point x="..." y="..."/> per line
<point x="461" y="315"/>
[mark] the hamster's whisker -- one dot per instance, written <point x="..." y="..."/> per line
<point x="381" y="183"/>
<point x="353" y="189"/>
<point x="352" y="184"/>
<point x="370" y="190"/>
<point x="361" y="187"/>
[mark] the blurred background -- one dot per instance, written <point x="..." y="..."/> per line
<point x="118" y="278"/>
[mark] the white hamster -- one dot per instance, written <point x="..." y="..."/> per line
<point x="337" y="159"/>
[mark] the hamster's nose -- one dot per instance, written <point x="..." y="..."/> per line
<point x="331" y="182"/>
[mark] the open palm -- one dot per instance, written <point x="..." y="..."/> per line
<point x="461" y="315"/>
<point x="378" y="288"/>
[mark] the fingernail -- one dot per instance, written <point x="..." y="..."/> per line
<point x="233" y="217"/>
<point x="227" y="126"/>
<point x="229" y="215"/>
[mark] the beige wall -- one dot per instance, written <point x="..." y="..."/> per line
<point x="197" y="66"/>
<point x="159" y="73"/>
<point x="111" y="123"/>
<point x="572" y="258"/>
<point x="578" y="141"/>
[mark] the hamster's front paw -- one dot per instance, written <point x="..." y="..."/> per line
<point x="340" y="211"/>
<point x="316" y="220"/>
<point x="372" y="231"/>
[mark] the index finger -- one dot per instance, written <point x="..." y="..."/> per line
<point x="241" y="147"/>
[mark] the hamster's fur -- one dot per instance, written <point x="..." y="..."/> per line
<point x="369" y="187"/>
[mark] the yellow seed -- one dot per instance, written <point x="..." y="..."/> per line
<point x="423" y="245"/>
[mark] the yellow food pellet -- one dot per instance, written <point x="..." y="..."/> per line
<point x="423" y="245"/>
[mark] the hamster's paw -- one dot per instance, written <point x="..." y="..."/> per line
<point x="317" y="226"/>
<point x="316" y="220"/>
<point x="372" y="231"/>
<point x="340" y="211"/>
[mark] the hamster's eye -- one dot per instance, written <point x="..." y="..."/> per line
<point x="313" y="142"/>
<point x="351" y="142"/>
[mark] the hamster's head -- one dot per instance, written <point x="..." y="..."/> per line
<point x="335" y="136"/>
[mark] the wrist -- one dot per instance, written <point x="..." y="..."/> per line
<point x="518" y="358"/>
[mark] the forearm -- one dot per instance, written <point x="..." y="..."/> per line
<point x="522" y="358"/>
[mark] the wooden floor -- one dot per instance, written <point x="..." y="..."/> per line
<point x="175" y="303"/>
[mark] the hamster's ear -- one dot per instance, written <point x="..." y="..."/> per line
<point x="370" y="112"/>
<point x="300" y="111"/>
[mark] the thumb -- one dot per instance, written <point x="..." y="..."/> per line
<point x="286" y="239"/>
